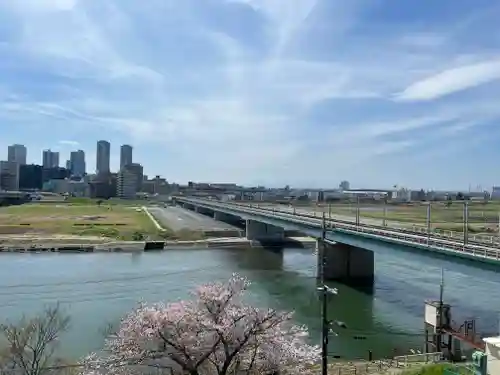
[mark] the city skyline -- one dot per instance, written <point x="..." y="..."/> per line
<point x="304" y="93"/>
<point x="52" y="156"/>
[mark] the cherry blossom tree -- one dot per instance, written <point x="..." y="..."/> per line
<point x="214" y="333"/>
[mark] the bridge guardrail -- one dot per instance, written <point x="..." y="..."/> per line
<point x="414" y="228"/>
<point x="446" y="244"/>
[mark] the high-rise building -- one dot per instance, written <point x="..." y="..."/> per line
<point x="9" y="175"/>
<point x="129" y="181"/>
<point x="125" y="155"/>
<point x="102" y="157"/>
<point x="17" y="153"/>
<point x="77" y="163"/>
<point x="50" y="159"/>
<point x="30" y="177"/>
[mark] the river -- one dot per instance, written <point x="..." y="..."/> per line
<point x="97" y="289"/>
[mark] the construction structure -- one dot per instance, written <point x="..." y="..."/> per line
<point x="442" y="334"/>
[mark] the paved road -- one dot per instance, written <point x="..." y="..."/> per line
<point x="177" y="218"/>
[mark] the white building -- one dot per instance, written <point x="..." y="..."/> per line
<point x="492" y="351"/>
<point x="9" y="175"/>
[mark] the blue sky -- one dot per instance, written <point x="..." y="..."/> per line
<point x="274" y="92"/>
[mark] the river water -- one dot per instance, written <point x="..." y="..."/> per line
<point x="97" y="289"/>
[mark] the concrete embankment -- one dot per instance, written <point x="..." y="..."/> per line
<point x="141" y="246"/>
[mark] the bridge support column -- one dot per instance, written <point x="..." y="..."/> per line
<point x="258" y="231"/>
<point x="345" y="263"/>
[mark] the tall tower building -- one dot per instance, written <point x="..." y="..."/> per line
<point x="77" y="163"/>
<point x="17" y="153"/>
<point x="50" y="159"/>
<point x="125" y="155"/>
<point x="103" y="156"/>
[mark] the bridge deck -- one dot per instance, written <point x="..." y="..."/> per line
<point x="358" y="235"/>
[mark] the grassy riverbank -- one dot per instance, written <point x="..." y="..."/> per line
<point x="77" y="220"/>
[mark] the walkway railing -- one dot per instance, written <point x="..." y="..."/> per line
<point x="404" y="236"/>
<point x="384" y="366"/>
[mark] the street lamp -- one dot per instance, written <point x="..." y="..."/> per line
<point x="357" y="210"/>
<point x="466" y="222"/>
<point x="428" y="222"/>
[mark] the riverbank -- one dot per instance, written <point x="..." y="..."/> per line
<point x="90" y="246"/>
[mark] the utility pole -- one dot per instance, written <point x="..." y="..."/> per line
<point x="325" y="290"/>
<point x="439" y="335"/>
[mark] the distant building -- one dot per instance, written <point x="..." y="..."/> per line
<point x="128" y="180"/>
<point x="30" y="177"/>
<point x="344" y="185"/>
<point x="50" y="159"/>
<point x="103" y="186"/>
<point x="9" y="175"/>
<point x="103" y="157"/>
<point x="55" y="173"/>
<point x="17" y="153"/>
<point x="495" y="192"/>
<point x="125" y="155"/>
<point x="67" y="186"/>
<point x="77" y="163"/>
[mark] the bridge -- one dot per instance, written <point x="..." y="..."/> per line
<point x="349" y="247"/>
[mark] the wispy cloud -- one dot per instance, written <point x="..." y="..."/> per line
<point x="253" y="91"/>
<point x="452" y="80"/>
<point x="68" y="142"/>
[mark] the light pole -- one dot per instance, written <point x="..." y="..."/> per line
<point x="499" y="227"/>
<point x="357" y="210"/>
<point x="329" y="211"/>
<point x="428" y="221"/>
<point x="466" y="222"/>
<point x="384" y="221"/>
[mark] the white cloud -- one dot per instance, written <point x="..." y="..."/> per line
<point x="276" y="101"/>
<point x="451" y="81"/>
<point x="69" y="142"/>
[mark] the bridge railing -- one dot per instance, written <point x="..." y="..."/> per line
<point x="480" y="238"/>
<point x="403" y="236"/>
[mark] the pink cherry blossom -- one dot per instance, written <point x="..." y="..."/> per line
<point x="214" y="333"/>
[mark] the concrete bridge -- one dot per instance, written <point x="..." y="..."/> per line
<point x="349" y="247"/>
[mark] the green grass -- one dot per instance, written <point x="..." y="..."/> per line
<point x="116" y="222"/>
<point x="482" y="217"/>
<point x="439" y="370"/>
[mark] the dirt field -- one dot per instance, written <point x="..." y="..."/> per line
<point x="118" y="222"/>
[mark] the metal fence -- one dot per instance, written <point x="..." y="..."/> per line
<point x="385" y="366"/>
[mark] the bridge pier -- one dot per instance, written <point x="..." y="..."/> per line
<point x="258" y="231"/>
<point x="345" y="263"/>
